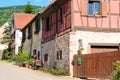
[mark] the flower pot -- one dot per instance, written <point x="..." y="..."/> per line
<point x="27" y="65"/>
<point x="79" y="61"/>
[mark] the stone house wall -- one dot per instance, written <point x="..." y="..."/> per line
<point x="52" y="47"/>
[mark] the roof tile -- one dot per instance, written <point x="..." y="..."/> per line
<point x="21" y="20"/>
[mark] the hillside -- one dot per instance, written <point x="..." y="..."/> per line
<point x="6" y="12"/>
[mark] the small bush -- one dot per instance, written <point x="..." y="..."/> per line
<point x="54" y="71"/>
<point x="116" y="73"/>
<point x="117" y="65"/>
<point x="21" y="57"/>
<point x="30" y="62"/>
<point x="7" y="55"/>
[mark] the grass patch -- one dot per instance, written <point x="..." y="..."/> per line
<point x="54" y="71"/>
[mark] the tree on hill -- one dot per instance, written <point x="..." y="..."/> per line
<point x="7" y="34"/>
<point x="29" y="9"/>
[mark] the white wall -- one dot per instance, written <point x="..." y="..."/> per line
<point x="97" y="37"/>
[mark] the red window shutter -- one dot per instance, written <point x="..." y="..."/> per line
<point x="84" y="7"/>
<point x="104" y="8"/>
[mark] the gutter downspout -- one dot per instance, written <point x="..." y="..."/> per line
<point x="72" y="30"/>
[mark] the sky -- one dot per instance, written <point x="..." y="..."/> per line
<point x="4" y="3"/>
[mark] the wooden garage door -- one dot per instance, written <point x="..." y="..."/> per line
<point x="99" y="49"/>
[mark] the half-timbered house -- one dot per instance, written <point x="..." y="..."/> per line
<point x="67" y="24"/>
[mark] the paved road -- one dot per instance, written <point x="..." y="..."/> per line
<point x="13" y="72"/>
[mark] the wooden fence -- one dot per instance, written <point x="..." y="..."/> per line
<point x="98" y="65"/>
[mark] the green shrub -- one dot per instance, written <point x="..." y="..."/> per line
<point x="117" y="65"/>
<point x="116" y="73"/>
<point x="30" y="62"/>
<point x="21" y="57"/>
<point x="7" y="55"/>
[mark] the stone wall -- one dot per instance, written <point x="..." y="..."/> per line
<point x="49" y="48"/>
<point x="52" y="47"/>
<point x="62" y="43"/>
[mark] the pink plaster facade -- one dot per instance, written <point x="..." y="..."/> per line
<point x="109" y="17"/>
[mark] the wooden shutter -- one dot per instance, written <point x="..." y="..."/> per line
<point x="24" y="35"/>
<point x="84" y="7"/>
<point x="43" y="24"/>
<point x="38" y="23"/>
<point x="30" y="30"/>
<point x="104" y="8"/>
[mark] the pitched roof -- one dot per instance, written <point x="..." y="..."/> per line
<point x="21" y="20"/>
<point x="51" y="3"/>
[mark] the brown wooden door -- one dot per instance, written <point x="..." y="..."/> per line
<point x="96" y="65"/>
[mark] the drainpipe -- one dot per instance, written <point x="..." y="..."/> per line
<point x="72" y="30"/>
<point x="41" y="40"/>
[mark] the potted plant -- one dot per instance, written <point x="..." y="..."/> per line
<point x="80" y="52"/>
<point x="79" y="55"/>
<point x="30" y="63"/>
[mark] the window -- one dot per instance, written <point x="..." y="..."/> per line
<point x="61" y="14"/>
<point x="46" y="57"/>
<point x="59" y="55"/>
<point x="48" y="24"/>
<point x="38" y="54"/>
<point x="29" y="31"/>
<point x="37" y="26"/>
<point x="94" y="7"/>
